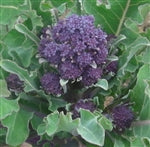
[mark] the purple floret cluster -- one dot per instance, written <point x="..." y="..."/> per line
<point x="14" y="83"/>
<point x="122" y="117"/>
<point x="82" y="104"/>
<point x="50" y="83"/>
<point x="76" y="48"/>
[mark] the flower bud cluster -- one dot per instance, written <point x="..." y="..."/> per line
<point x="76" y="47"/>
<point x="122" y="117"/>
<point x="14" y="83"/>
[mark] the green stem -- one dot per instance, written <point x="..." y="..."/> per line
<point x="123" y="17"/>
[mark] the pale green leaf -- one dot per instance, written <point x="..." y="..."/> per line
<point x="57" y="122"/>
<point x="19" y="47"/>
<point x="52" y="123"/>
<point x="102" y="83"/>
<point x="137" y="142"/>
<point x="138" y="45"/>
<point x="7" y="107"/>
<point x="90" y="129"/>
<point x="106" y="123"/>
<point x="17" y="127"/>
<point x="4" y="92"/>
<point x="139" y="95"/>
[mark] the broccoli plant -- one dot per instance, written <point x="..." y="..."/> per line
<point x="74" y="73"/>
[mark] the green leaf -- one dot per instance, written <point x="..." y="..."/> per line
<point x="66" y="123"/>
<point x="36" y="121"/>
<point x="18" y="11"/>
<point x="142" y="127"/>
<point x="142" y="130"/>
<point x="140" y="93"/>
<point x="17" y="125"/>
<point x="45" y="5"/>
<point x="132" y="50"/>
<point x="58" y="3"/>
<point x="131" y="31"/>
<point x="52" y="123"/>
<point x="112" y="15"/>
<point x="3" y="131"/>
<point x="41" y="129"/>
<point x="135" y="142"/>
<point x="136" y="25"/>
<point x="35" y="19"/>
<point x="56" y="103"/>
<point x="144" y="9"/>
<point x="4" y="92"/>
<point x="106" y="123"/>
<point x="19" y="47"/>
<point x="146" y="56"/>
<point x="24" y="30"/>
<point x="90" y="129"/>
<point x="12" y="10"/>
<point x="57" y="122"/>
<point x="46" y="16"/>
<point x="7" y="107"/>
<point x="102" y="83"/>
<point x="121" y="142"/>
<point x="23" y="74"/>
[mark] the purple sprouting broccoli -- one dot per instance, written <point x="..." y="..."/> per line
<point x="76" y="46"/>
<point x="69" y="71"/>
<point x="50" y="83"/>
<point x="122" y="117"/>
<point x="14" y="83"/>
<point x="84" y="104"/>
<point x="112" y="67"/>
<point x="91" y="75"/>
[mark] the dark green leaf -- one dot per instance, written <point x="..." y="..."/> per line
<point x="112" y="15"/>
<point x="24" y="30"/>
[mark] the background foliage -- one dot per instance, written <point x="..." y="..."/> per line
<point x="20" y="114"/>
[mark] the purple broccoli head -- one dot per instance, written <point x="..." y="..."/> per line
<point x="84" y="104"/>
<point x="74" y="46"/>
<point x="50" y="83"/>
<point x="14" y="83"/>
<point x="122" y="117"/>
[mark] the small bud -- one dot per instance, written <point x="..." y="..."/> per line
<point x="14" y="83"/>
<point x="122" y="117"/>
